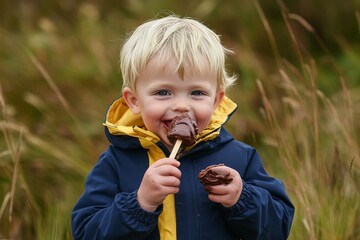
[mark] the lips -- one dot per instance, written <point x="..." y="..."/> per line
<point x="167" y="124"/>
<point x="167" y="121"/>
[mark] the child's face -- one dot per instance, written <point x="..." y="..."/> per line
<point x="161" y="94"/>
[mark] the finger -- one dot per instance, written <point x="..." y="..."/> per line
<point x="216" y="198"/>
<point x="167" y="181"/>
<point x="223" y="199"/>
<point x="166" y="185"/>
<point x="166" y="161"/>
<point x="217" y="189"/>
<point x="168" y="170"/>
<point x="171" y="182"/>
<point x="170" y="190"/>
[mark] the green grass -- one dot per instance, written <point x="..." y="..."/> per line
<point x="298" y="96"/>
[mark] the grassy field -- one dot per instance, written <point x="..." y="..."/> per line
<point x="298" y="95"/>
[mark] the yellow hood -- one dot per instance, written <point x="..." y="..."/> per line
<point x="120" y="120"/>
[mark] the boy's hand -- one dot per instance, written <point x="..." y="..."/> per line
<point x="229" y="194"/>
<point x="160" y="179"/>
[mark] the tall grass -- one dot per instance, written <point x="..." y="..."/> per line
<point x="317" y="140"/>
<point x="301" y="113"/>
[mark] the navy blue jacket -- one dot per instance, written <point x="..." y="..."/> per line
<point x="108" y="208"/>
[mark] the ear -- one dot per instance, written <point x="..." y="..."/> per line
<point x="218" y="98"/>
<point x="131" y="100"/>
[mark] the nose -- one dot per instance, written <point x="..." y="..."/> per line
<point x="180" y="104"/>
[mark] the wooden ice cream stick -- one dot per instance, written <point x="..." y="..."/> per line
<point x="175" y="148"/>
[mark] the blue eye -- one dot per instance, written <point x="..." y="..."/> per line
<point x="197" y="93"/>
<point x="162" y="93"/>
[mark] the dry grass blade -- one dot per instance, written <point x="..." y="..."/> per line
<point x="6" y="134"/>
<point x="4" y="204"/>
<point x="348" y="103"/>
<point x="51" y="83"/>
<point x="268" y="31"/>
<point x="296" y="46"/>
<point x="347" y="136"/>
<point x="358" y="18"/>
<point x="302" y="21"/>
<point x="61" y="98"/>
<point x="15" y="175"/>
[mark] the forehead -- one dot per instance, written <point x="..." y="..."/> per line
<point x="184" y="67"/>
<point x="159" y="71"/>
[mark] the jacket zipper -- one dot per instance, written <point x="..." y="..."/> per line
<point x="197" y="230"/>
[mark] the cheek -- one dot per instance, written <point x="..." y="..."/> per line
<point x="148" y="106"/>
<point x="203" y="117"/>
<point x="151" y="114"/>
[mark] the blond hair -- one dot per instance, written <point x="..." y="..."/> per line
<point x="187" y="41"/>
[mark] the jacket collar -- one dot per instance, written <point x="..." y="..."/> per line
<point x="120" y="120"/>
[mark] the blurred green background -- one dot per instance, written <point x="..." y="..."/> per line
<point x="298" y="94"/>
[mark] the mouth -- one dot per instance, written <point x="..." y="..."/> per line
<point x="167" y="124"/>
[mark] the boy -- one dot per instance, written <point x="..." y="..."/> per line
<point x="172" y="66"/>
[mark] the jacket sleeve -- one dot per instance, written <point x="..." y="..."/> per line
<point x="103" y="212"/>
<point x="264" y="210"/>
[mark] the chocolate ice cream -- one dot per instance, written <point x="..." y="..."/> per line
<point x="184" y="128"/>
<point x="212" y="176"/>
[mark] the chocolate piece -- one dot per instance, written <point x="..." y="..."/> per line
<point x="183" y="128"/>
<point x="212" y="176"/>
